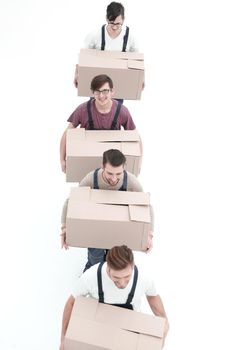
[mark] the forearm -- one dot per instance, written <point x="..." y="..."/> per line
<point x="156" y="306"/>
<point x="66" y="316"/>
<point x="76" y="75"/>
<point x="63" y="147"/>
<point x="64" y="213"/>
<point x="151" y="218"/>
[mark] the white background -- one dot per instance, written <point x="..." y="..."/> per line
<point x="185" y="120"/>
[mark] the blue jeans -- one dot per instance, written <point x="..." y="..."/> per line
<point x="94" y="256"/>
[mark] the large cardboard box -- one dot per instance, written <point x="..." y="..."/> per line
<point x="103" y="219"/>
<point x="126" y="69"/>
<point x="85" y="148"/>
<point x="99" y="326"/>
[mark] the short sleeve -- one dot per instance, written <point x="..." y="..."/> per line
<point x="87" y="181"/>
<point x="150" y="287"/>
<point x="127" y="120"/>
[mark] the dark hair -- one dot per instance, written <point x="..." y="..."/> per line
<point x="114" y="10"/>
<point x="119" y="257"/>
<point x="98" y="81"/>
<point x="114" y="157"/>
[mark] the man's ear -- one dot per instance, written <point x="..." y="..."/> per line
<point x="112" y="92"/>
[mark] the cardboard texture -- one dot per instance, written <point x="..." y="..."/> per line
<point x="100" y="326"/>
<point x="85" y="148"/>
<point x="126" y="69"/>
<point x="103" y="218"/>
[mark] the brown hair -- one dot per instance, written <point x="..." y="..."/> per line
<point x="98" y="81"/>
<point x="119" y="257"/>
<point x="114" y="10"/>
<point x="113" y="157"/>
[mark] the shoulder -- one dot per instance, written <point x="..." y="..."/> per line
<point x="92" y="37"/>
<point x="133" y="183"/>
<point x="146" y="281"/>
<point x="87" y="180"/>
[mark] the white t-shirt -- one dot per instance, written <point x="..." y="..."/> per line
<point x="93" y="41"/>
<point x="87" y="285"/>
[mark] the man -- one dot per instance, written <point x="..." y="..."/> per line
<point x="111" y="37"/>
<point x="112" y="176"/>
<point x="100" y="113"/>
<point x="117" y="282"/>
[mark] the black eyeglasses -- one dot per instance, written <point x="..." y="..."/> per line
<point x="104" y="92"/>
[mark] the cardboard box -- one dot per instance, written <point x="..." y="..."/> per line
<point x="104" y="218"/>
<point x="85" y="148"/>
<point x="99" y="326"/>
<point x="126" y="69"/>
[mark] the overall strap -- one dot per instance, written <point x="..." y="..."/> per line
<point x="100" y="286"/>
<point x="103" y="37"/>
<point x="95" y="179"/>
<point x="131" y="293"/>
<point x="125" y="39"/>
<point x="90" y="119"/>
<point x="125" y="180"/>
<point x="114" y="122"/>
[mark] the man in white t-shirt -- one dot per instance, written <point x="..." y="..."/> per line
<point x="116" y="282"/>
<point x="113" y="36"/>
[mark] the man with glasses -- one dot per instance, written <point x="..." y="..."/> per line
<point x="113" y="36"/>
<point x="99" y="113"/>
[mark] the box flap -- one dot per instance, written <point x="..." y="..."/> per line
<point x="80" y="194"/>
<point x="84" y="306"/>
<point x="113" y="54"/>
<point x="112" y="135"/>
<point x="109" y="197"/>
<point x="87" y="60"/>
<point x="76" y="133"/>
<point x="120" y="318"/>
<point x="120" y="197"/>
<point x="76" y="148"/>
<point x="139" y="213"/>
<point x="83" y="210"/>
<point x="133" y="64"/>
<point x="130" y="148"/>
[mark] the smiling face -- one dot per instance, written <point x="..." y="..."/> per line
<point x="113" y="174"/>
<point x="120" y="277"/>
<point x="103" y="96"/>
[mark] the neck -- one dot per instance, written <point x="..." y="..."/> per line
<point x="105" y="108"/>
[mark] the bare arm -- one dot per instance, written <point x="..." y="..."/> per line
<point x="63" y="224"/>
<point x="63" y="148"/>
<point x="66" y="318"/>
<point x="157" y="307"/>
<point x="141" y="150"/>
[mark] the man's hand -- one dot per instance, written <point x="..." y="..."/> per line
<point x="62" y="345"/>
<point x="63" y="238"/>
<point x="76" y="82"/>
<point x="166" y="329"/>
<point x="76" y="76"/>
<point x="63" y="166"/>
<point x="149" y="242"/>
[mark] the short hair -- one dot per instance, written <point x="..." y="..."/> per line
<point x="114" y="10"/>
<point x="98" y="81"/>
<point x="119" y="257"/>
<point x="113" y="157"/>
